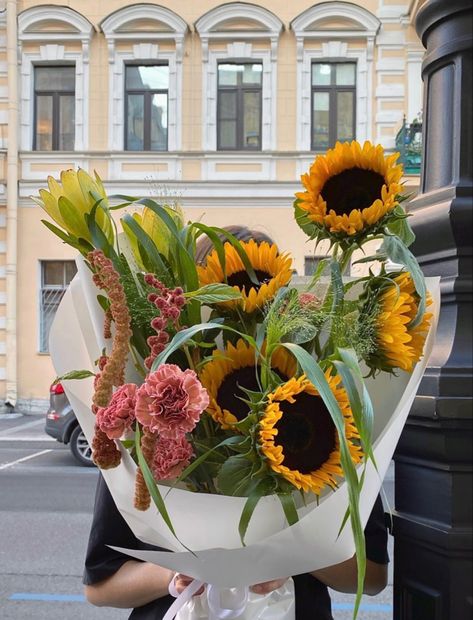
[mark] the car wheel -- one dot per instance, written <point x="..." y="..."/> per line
<point x="80" y="448"/>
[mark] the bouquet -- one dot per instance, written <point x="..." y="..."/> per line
<point x="262" y="410"/>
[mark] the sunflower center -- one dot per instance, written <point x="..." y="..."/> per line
<point x="243" y="281"/>
<point x="229" y="393"/>
<point x="354" y="188"/>
<point x="306" y="433"/>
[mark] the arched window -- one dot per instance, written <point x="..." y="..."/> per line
<point x="335" y="42"/>
<point x="239" y="78"/>
<point x="54" y="78"/>
<point x="145" y="77"/>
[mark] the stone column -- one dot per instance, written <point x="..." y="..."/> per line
<point x="433" y="462"/>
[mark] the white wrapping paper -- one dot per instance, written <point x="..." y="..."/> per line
<point x="208" y="524"/>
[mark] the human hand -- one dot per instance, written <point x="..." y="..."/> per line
<point x="268" y="586"/>
<point x="182" y="581"/>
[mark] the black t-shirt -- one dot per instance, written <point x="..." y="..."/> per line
<point x="109" y="528"/>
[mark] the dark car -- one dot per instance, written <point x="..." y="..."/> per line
<point x="62" y="424"/>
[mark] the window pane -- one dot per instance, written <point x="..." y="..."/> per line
<point x="251" y="120"/>
<point x="345" y="74"/>
<point x="345" y="129"/>
<point x="252" y="74"/>
<point x="227" y="135"/>
<point x="227" y="101"/>
<point x="135" y="123"/>
<point x="147" y="77"/>
<point x="228" y="75"/>
<point x="55" y="78"/>
<point x="53" y="273"/>
<point x="50" y="300"/>
<point x="71" y="271"/>
<point x="320" y="120"/>
<point x="44" y="123"/>
<point x="159" y="122"/>
<point x="66" y="122"/>
<point x="321" y="74"/>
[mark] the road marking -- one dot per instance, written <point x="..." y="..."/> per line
<point x="35" y="438"/>
<point x="25" y="458"/>
<point x="31" y="596"/>
<point x="19" y="427"/>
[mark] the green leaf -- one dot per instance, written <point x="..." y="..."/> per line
<point x="337" y="288"/>
<point x="181" y="338"/>
<point x="399" y="253"/>
<point x="304" y="222"/>
<point x="235" y="476"/>
<point x="214" y="293"/>
<point x="262" y="488"/>
<point x="321" y="267"/>
<point x="400" y="226"/>
<point x="289" y="507"/>
<point x="73" y="218"/>
<point x="74" y="374"/>
<point x="81" y="245"/>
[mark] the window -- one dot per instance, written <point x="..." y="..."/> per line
<point x="311" y="263"/>
<point x="55" y="278"/>
<point x="239" y="106"/>
<point x="54" y="108"/>
<point x="333" y="103"/>
<point x="146" y="107"/>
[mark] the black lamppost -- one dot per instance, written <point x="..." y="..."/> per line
<point x="433" y="464"/>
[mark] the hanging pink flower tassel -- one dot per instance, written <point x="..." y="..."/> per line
<point x="142" y="496"/>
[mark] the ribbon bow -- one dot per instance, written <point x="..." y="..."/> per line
<point x="234" y="605"/>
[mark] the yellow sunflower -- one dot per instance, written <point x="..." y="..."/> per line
<point x="400" y="346"/>
<point x="351" y="188"/>
<point x="273" y="270"/>
<point x="298" y="437"/>
<point x="233" y="368"/>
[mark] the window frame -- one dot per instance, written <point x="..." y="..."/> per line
<point x="332" y="89"/>
<point x="43" y="337"/>
<point x="148" y="95"/>
<point x="56" y="96"/>
<point x="241" y="91"/>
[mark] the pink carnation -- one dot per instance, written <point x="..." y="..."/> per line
<point x="119" y="415"/>
<point x="171" y="457"/>
<point x="171" y="401"/>
<point x="308" y="300"/>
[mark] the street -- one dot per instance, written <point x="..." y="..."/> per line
<point x="46" y="503"/>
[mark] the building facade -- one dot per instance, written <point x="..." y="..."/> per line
<point x="219" y="106"/>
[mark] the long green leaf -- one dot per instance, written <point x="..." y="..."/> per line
<point x="75" y="374"/>
<point x="214" y="293"/>
<point x="261" y="489"/>
<point x="399" y="253"/>
<point x="184" y="335"/>
<point x="289" y="507"/>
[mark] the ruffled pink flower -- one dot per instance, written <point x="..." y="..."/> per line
<point x="171" y="401"/>
<point x="308" y="300"/>
<point x="171" y="457"/>
<point x="115" y="419"/>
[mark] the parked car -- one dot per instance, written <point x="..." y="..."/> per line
<point x="62" y="424"/>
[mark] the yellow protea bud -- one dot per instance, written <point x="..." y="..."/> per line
<point x="69" y="201"/>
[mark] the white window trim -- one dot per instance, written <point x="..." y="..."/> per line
<point x="335" y="46"/>
<point x="51" y="51"/>
<point x="146" y="49"/>
<point x="240" y="48"/>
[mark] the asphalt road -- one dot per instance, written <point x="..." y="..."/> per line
<point x="46" y="503"/>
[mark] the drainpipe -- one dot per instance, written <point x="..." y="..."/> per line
<point x="12" y="204"/>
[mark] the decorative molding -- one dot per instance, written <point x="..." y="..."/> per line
<point x="334" y="44"/>
<point x="53" y="49"/>
<point x="146" y="48"/>
<point x="241" y="46"/>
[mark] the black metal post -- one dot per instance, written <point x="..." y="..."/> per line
<point x="433" y="463"/>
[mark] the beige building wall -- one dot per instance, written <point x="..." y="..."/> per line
<point x="255" y="188"/>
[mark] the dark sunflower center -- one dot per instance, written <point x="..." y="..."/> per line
<point x="352" y="189"/>
<point x="242" y="280"/>
<point x="230" y="392"/>
<point x="306" y="433"/>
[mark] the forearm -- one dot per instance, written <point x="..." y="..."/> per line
<point x="344" y="576"/>
<point x="133" y="585"/>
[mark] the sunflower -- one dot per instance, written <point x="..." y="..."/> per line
<point x="299" y="439"/>
<point x="350" y="189"/>
<point x="233" y="368"/>
<point x="273" y="270"/>
<point x="398" y="344"/>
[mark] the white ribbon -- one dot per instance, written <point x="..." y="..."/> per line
<point x="236" y="598"/>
